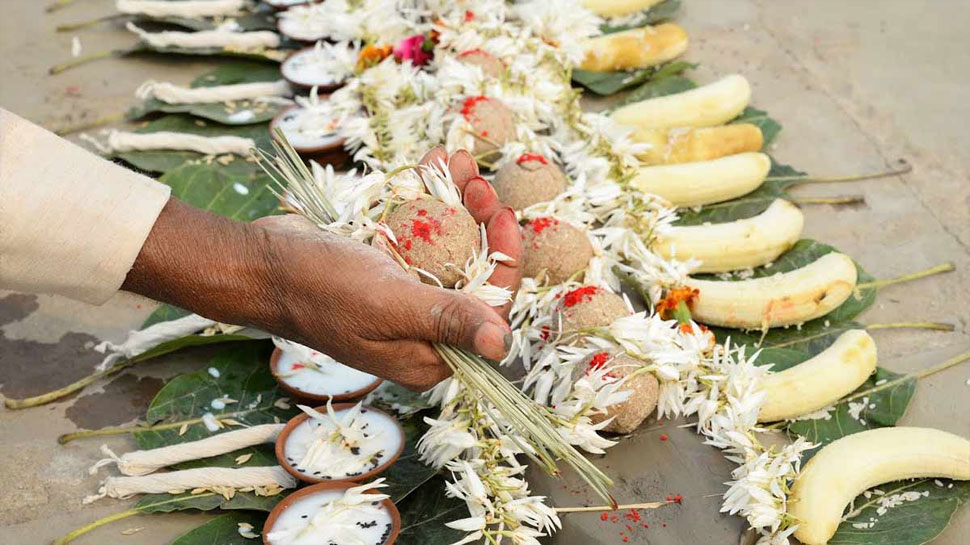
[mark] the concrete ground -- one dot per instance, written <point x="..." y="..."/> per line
<point x="856" y="85"/>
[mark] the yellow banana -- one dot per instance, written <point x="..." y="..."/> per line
<point x="635" y="48"/>
<point x="618" y="8"/>
<point x="712" y="104"/>
<point x="686" y="144"/>
<point x="848" y="466"/>
<point x="820" y="381"/>
<point x="705" y="182"/>
<point x="741" y="244"/>
<point x="771" y="301"/>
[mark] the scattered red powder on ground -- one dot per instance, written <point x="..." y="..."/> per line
<point x="579" y="295"/>
<point x="665" y="525"/>
<point x="604" y="517"/>
<point x="539" y="225"/>
<point x="526" y="157"/>
<point x="633" y="515"/>
<point x="664" y="437"/>
<point x="676" y="499"/>
<point x="468" y="107"/>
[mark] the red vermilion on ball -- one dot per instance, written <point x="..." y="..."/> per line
<point x="525" y="157"/>
<point x="539" y="225"/>
<point x="424" y="229"/>
<point x="579" y="295"/>
<point x="468" y="107"/>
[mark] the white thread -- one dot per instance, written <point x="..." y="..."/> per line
<point x="183" y="8"/>
<point x="176" y="94"/>
<point x="141" y="341"/>
<point x="143" y="462"/>
<point x="220" y="37"/>
<point x="220" y="478"/>
<point x="120" y="141"/>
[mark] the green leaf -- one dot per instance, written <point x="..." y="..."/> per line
<point x="164" y="313"/>
<point x="165" y="160"/>
<point x="268" y="55"/>
<point x="804" y="252"/>
<point x="882" y="408"/>
<point x="657" y="87"/>
<point x="425" y="512"/>
<point x="810" y="339"/>
<point x="408" y="473"/>
<point x="910" y="523"/>
<point x="262" y="19"/>
<point x="769" y="127"/>
<point x="223" y="530"/>
<point x="240" y="197"/>
<point x="608" y="83"/>
<point x="658" y="13"/>
<point x="232" y="73"/>
<point x="206" y="501"/>
<point x="244" y="375"/>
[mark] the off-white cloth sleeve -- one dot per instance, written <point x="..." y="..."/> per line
<point x="71" y="223"/>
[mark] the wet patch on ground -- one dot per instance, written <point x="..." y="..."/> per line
<point x="30" y="368"/>
<point x="122" y="400"/>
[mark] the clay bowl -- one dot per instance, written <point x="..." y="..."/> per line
<point x="325" y="486"/>
<point x="274" y="361"/>
<point x="300" y="418"/>
<point x="329" y="88"/>
<point x="332" y="154"/>
<point x="310" y="41"/>
<point x="282" y="6"/>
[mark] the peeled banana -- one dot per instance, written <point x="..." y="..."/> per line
<point x="772" y="301"/>
<point x="705" y="182"/>
<point x="686" y="144"/>
<point x="618" y="8"/>
<point x="634" y="49"/>
<point x="820" y="381"/>
<point x="712" y="104"/>
<point x="847" y="467"/>
<point x="741" y="244"/>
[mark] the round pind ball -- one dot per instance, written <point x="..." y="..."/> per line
<point x="627" y="416"/>
<point x="528" y="180"/>
<point x="554" y="250"/>
<point x="590" y="306"/>
<point x="435" y="237"/>
<point x="490" y="65"/>
<point x="491" y="120"/>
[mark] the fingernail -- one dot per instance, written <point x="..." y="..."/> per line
<point x="492" y="341"/>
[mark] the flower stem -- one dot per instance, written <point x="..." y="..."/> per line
<point x="945" y="267"/>
<point x="935" y="326"/>
<point x="69" y="537"/>
<point x="597" y="508"/>
<point x="122" y="430"/>
<point x="91" y="22"/>
<point x="58" y="4"/>
<point x="843" y="199"/>
<point x="917" y="375"/>
<point x="94" y="123"/>
<point x="57" y="69"/>
<point x="904" y="168"/>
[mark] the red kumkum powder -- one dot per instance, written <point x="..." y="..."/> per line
<point x="424" y="229"/>
<point x="579" y="295"/>
<point x="468" y="107"/>
<point x="539" y="225"/>
<point x="526" y="157"/>
<point x="598" y="361"/>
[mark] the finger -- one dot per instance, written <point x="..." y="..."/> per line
<point x="457" y="319"/>
<point x="481" y="200"/>
<point x="463" y="168"/>
<point x="413" y="364"/>
<point x="436" y="156"/>
<point x="503" y="235"/>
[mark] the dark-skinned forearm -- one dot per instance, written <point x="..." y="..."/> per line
<point x="205" y="263"/>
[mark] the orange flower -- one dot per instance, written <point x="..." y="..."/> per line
<point x="674" y="298"/>
<point x="371" y="55"/>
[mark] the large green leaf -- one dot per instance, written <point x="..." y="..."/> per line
<point x="223" y="530"/>
<point x="425" y="512"/>
<point x="206" y="501"/>
<point x="655" y="14"/>
<point x="804" y="252"/>
<point x="910" y="523"/>
<point x="243" y="197"/>
<point x="243" y="375"/>
<point x="164" y="313"/>
<point x="608" y="83"/>
<point x="810" y="339"/>
<point x="165" y="160"/>
<point x="408" y="473"/>
<point x="657" y="87"/>
<point x="229" y="74"/>
<point x="880" y="409"/>
<point x="769" y="127"/>
<point x="268" y="55"/>
<point x="261" y="19"/>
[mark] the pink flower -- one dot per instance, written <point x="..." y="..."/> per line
<point x="413" y="48"/>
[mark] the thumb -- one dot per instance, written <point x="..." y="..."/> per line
<point x="449" y="317"/>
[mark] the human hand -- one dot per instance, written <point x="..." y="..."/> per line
<point x="348" y="300"/>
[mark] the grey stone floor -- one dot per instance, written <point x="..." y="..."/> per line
<point x="857" y="85"/>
